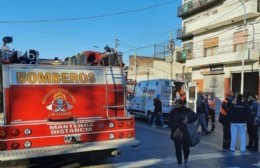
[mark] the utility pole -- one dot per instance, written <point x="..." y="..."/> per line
<point x="244" y="53"/>
<point x="135" y="67"/>
<point x="171" y="47"/>
<point x="148" y="73"/>
<point x="116" y="45"/>
<point x="119" y="59"/>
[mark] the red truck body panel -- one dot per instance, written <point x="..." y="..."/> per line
<point x="57" y="108"/>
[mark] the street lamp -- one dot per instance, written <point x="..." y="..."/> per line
<point x="243" y="57"/>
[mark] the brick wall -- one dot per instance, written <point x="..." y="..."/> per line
<point x="141" y="61"/>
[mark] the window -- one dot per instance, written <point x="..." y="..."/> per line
<point x="211" y="46"/>
<point x="240" y="38"/>
<point x="192" y="93"/>
<point x="239" y="47"/>
<point x="211" y="51"/>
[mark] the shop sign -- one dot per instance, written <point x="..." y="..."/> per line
<point x="216" y="69"/>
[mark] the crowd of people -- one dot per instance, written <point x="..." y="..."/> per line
<point x="237" y="115"/>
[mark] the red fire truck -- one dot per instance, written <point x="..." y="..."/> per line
<point x="62" y="109"/>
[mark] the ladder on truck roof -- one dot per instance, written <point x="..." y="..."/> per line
<point x="115" y="77"/>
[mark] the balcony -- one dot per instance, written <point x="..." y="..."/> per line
<point x="183" y="35"/>
<point x="224" y="15"/>
<point x="250" y="55"/>
<point x="193" y="7"/>
<point x="183" y="55"/>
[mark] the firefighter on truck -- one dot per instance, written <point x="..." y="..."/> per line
<point x="53" y="107"/>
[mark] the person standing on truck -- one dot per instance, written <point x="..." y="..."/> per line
<point x="158" y="112"/>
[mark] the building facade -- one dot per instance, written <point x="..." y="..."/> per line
<point x="147" y="68"/>
<point x="221" y="44"/>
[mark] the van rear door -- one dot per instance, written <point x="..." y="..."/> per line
<point x="191" y="95"/>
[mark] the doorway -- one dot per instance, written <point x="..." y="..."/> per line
<point x="250" y="83"/>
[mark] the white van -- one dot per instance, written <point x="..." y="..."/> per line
<point x="146" y="91"/>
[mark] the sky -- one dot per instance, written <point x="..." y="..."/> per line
<point x="63" y="28"/>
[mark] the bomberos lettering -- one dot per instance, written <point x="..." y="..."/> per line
<point x="55" y="77"/>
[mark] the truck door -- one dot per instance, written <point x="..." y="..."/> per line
<point x="191" y="95"/>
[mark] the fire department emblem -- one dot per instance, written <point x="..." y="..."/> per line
<point x="59" y="101"/>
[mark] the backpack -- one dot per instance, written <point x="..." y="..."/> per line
<point x="193" y="134"/>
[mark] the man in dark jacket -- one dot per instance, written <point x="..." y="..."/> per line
<point x="201" y="113"/>
<point x="158" y="112"/>
<point x="252" y="127"/>
<point x="179" y="116"/>
<point x="238" y="117"/>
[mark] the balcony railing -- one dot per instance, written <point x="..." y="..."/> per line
<point x="212" y="20"/>
<point x="195" y="6"/>
<point x="183" y="55"/>
<point x="225" y="55"/>
<point x="182" y="35"/>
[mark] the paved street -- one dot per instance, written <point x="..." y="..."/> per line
<point x="157" y="151"/>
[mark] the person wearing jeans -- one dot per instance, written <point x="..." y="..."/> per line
<point x="201" y="113"/>
<point x="240" y="129"/>
<point x="238" y="116"/>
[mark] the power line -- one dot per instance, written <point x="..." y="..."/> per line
<point x="86" y="17"/>
<point x="196" y="41"/>
<point x="147" y="46"/>
<point x="133" y="48"/>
